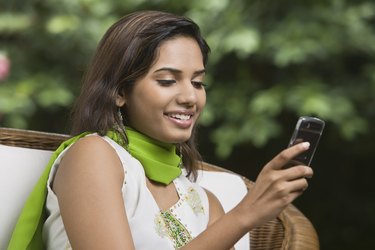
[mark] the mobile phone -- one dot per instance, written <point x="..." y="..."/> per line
<point x="308" y="129"/>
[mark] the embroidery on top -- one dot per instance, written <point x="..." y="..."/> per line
<point x="168" y="225"/>
<point x="194" y="201"/>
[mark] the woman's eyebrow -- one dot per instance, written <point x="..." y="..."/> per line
<point x="172" y="70"/>
<point x="200" y="72"/>
<point x="177" y="71"/>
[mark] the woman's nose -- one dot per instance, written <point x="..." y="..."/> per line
<point x="187" y="94"/>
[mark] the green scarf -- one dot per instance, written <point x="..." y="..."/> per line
<point x="159" y="160"/>
<point x="28" y="230"/>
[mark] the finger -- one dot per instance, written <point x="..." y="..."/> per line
<point x="288" y="154"/>
<point x="295" y="189"/>
<point x="289" y="191"/>
<point x="294" y="195"/>
<point x="299" y="185"/>
<point x="298" y="172"/>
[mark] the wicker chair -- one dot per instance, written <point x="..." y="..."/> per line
<point x="290" y="230"/>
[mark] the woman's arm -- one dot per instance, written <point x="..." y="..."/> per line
<point x="88" y="185"/>
<point x="274" y="189"/>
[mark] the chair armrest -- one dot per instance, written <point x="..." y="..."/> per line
<point x="299" y="232"/>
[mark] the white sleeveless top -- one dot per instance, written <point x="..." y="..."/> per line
<point x="169" y="229"/>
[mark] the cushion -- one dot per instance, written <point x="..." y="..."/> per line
<point x="229" y="189"/>
<point x="20" y="169"/>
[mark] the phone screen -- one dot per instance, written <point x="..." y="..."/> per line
<point x="308" y="129"/>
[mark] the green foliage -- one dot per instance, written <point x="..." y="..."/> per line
<point x="304" y="59"/>
<point x="268" y="61"/>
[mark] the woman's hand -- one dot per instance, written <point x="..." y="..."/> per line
<point x="276" y="187"/>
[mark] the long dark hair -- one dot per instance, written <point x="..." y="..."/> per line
<point x="126" y="53"/>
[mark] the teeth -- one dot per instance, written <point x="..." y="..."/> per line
<point x="181" y="116"/>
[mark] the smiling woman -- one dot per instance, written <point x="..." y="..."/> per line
<point x="166" y="103"/>
<point x="129" y="174"/>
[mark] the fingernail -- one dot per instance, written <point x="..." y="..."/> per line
<point x="305" y="145"/>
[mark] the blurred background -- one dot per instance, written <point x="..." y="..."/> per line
<point x="271" y="62"/>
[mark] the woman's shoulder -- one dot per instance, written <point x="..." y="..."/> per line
<point x="90" y="148"/>
<point x="90" y="159"/>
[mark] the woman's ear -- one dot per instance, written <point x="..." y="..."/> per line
<point x="120" y="99"/>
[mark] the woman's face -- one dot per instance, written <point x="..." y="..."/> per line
<point x="166" y="103"/>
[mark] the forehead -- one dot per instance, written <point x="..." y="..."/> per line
<point x="179" y="52"/>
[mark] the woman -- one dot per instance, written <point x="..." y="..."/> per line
<point x="121" y="186"/>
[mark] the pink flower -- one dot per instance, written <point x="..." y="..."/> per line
<point x="4" y="67"/>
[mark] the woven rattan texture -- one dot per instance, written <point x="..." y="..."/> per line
<point x="31" y="139"/>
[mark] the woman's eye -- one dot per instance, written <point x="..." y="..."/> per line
<point x="198" y="84"/>
<point x="166" y="82"/>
